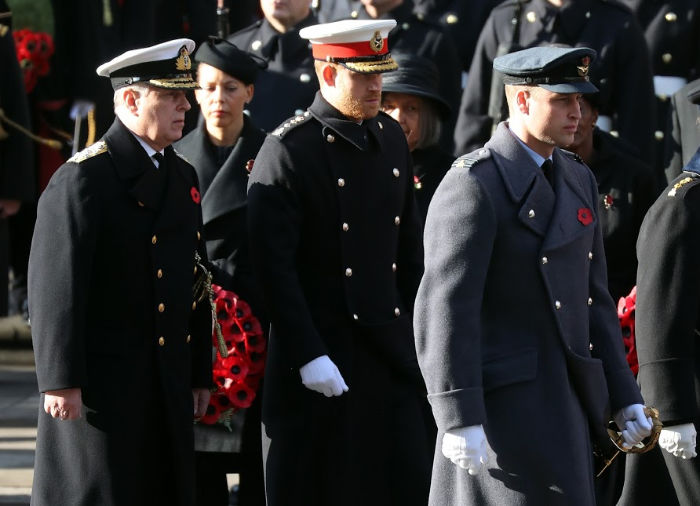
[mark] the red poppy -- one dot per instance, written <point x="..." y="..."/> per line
<point x="212" y="413"/>
<point x="241" y="395"/>
<point x="585" y="216"/>
<point x="234" y="367"/>
<point x="249" y="165"/>
<point x="416" y="183"/>
<point x="625" y="313"/>
<point x="196" y="197"/>
<point x="608" y="201"/>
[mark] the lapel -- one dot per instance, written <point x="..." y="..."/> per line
<point x="571" y="198"/>
<point x="145" y="183"/>
<point x="524" y="181"/>
<point x="179" y="196"/>
<point x="227" y="191"/>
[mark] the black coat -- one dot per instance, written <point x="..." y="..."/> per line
<point x="111" y="278"/>
<point x="621" y="69"/>
<point x="667" y="318"/>
<point x="683" y="130"/>
<point x="626" y="190"/>
<point x="335" y="240"/>
<point x="429" y="167"/>
<point x="513" y="299"/>
<point x="288" y="85"/>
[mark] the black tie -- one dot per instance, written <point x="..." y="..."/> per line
<point x="161" y="159"/>
<point x="548" y="171"/>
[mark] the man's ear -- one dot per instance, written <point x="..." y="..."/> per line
<point x="130" y="96"/>
<point x="328" y="73"/>
<point x="522" y="101"/>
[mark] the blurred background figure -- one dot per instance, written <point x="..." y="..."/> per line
<point x="288" y="85"/>
<point x="410" y="96"/>
<point x="672" y="32"/>
<point x="626" y="190"/>
<point x="621" y="68"/>
<point x="683" y="129"/>
<point x="17" y="178"/>
<point x="222" y="149"/>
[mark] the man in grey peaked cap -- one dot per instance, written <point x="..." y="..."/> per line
<point x="516" y="333"/>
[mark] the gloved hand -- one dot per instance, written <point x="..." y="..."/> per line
<point x="466" y="447"/>
<point x="321" y="375"/>
<point x="633" y="424"/>
<point x="679" y="440"/>
<point x="80" y="108"/>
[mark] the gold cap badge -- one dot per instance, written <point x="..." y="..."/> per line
<point x="376" y="43"/>
<point x="583" y="68"/>
<point x="183" y="61"/>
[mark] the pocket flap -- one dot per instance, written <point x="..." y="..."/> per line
<point x="514" y="368"/>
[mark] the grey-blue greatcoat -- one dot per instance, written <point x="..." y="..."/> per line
<point x="111" y="273"/>
<point x="513" y="295"/>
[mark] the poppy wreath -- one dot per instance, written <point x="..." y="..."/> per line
<point x="237" y="375"/>
<point x="34" y="50"/>
<point x="625" y="313"/>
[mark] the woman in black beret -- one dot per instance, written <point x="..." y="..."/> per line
<point x="410" y="96"/>
<point x="222" y="149"/>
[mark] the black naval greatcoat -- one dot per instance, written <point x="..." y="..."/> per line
<point x="621" y="69"/>
<point x="288" y="85"/>
<point x="683" y="129"/>
<point x="111" y="277"/>
<point x="515" y="296"/>
<point x="335" y="239"/>
<point x="667" y="320"/>
<point x="626" y="191"/>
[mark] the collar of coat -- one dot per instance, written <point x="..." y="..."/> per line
<point x="332" y="119"/>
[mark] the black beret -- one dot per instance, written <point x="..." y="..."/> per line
<point x="419" y="76"/>
<point x="557" y="69"/>
<point x="228" y="58"/>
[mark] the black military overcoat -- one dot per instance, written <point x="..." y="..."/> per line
<point x="111" y="275"/>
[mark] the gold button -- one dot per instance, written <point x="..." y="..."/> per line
<point x="304" y="78"/>
<point x="590" y="346"/>
<point x="667" y="57"/>
<point x="140" y="203"/>
<point x="341" y="182"/>
<point x="590" y="301"/>
<point x="355" y="317"/>
<point x="195" y="269"/>
<point x="257" y="44"/>
<point x="161" y="307"/>
<point x="381" y="127"/>
<point x="346" y="227"/>
<point x="405" y="26"/>
<point x="588" y="14"/>
<point x="354" y="14"/>
<point x="194" y="305"/>
<point x="348" y="272"/>
<point x="393" y="267"/>
<point x="544" y="260"/>
<point x="396" y="172"/>
<point x="451" y="19"/>
<point x="330" y="138"/>
<point x="189" y="338"/>
<point x="159" y="273"/>
<point x="161" y="341"/>
<point x="397" y="311"/>
<point x="531" y="16"/>
<point x="670" y="17"/>
<point x="659" y="135"/>
<point x="531" y="213"/>
<point x="557" y="304"/>
<point x="199" y="236"/>
<point x="154" y="239"/>
<point x="397" y="221"/>
<point x="590" y="255"/>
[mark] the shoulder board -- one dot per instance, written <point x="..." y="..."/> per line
<point x="181" y="156"/>
<point x="691" y="177"/>
<point x="95" y="149"/>
<point x="291" y="123"/>
<point x="469" y="160"/>
<point x="572" y="155"/>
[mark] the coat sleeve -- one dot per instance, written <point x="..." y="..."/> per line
<point x="60" y="272"/>
<point x="459" y="235"/>
<point x="668" y="298"/>
<point x="274" y="224"/>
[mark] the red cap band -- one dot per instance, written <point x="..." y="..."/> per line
<point x="348" y="49"/>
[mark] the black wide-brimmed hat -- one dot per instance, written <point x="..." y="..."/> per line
<point x="419" y="76"/>
<point x="557" y="69"/>
<point x="225" y="56"/>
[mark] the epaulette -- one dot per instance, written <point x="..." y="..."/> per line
<point x="692" y="176"/>
<point x="469" y="160"/>
<point x="181" y="156"/>
<point x="291" y="123"/>
<point x="96" y="149"/>
<point x="573" y="155"/>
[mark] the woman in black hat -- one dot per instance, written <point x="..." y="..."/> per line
<point x="410" y="96"/>
<point x="222" y="149"/>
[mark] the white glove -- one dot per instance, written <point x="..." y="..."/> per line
<point x="466" y="447"/>
<point x="321" y="375"/>
<point x="633" y="424"/>
<point x="80" y="108"/>
<point x="679" y="440"/>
